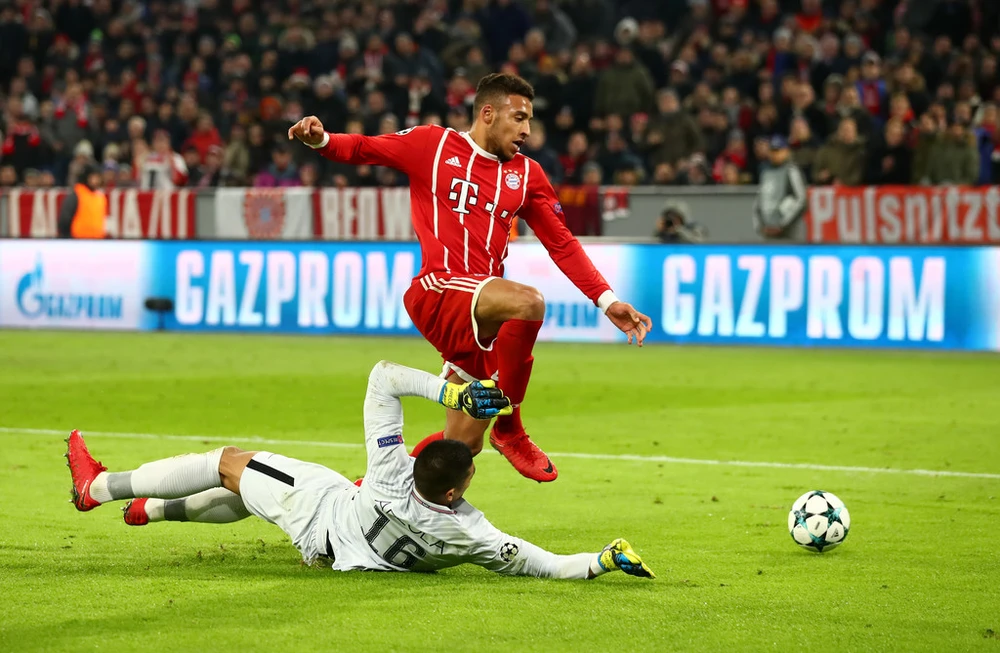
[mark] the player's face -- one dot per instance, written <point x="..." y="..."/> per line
<point x="511" y="127"/>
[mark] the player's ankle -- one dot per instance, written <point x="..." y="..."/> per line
<point x="509" y="426"/>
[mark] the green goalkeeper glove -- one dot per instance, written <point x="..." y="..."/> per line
<point x="620" y="555"/>
<point x="479" y="399"/>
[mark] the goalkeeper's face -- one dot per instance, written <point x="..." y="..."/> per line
<point x="509" y="127"/>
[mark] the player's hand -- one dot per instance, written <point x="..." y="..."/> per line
<point x="620" y="555"/>
<point x="632" y="323"/>
<point x="478" y="400"/>
<point x="309" y="130"/>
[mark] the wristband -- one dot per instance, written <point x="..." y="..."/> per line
<point x="323" y="143"/>
<point x="606" y="299"/>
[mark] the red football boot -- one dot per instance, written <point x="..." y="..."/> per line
<point x="83" y="469"/>
<point x="525" y="456"/>
<point x="359" y="481"/>
<point x="135" y="512"/>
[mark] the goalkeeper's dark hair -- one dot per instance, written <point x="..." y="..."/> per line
<point x="494" y="89"/>
<point x="442" y="465"/>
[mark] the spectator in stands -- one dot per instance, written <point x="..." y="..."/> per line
<point x="891" y="160"/>
<point x="592" y="174"/>
<point x="72" y="117"/>
<point x="281" y="172"/>
<point x="734" y="156"/>
<point x="954" y="158"/>
<point x="22" y="143"/>
<point x="782" y="196"/>
<point x="83" y="158"/>
<point x="803" y="105"/>
<point x="849" y="106"/>
<point x="927" y="134"/>
<point x="872" y="88"/>
<point x="986" y="141"/>
<point x="624" y="88"/>
<point x="236" y="158"/>
<point x="559" y="31"/>
<point x="616" y="155"/>
<point x="804" y="146"/>
<point x="842" y="159"/>
<point x="577" y="154"/>
<point x="537" y="149"/>
<point x="673" y="134"/>
<point x="204" y="136"/>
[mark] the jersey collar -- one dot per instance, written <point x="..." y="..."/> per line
<point x="444" y="510"/>
<point x="475" y="146"/>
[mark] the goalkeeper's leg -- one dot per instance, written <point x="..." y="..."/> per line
<point x="215" y="506"/>
<point x="170" y="478"/>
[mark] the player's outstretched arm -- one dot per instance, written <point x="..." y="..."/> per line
<point x="401" y="151"/>
<point x="543" y="213"/>
<point x="512" y="556"/>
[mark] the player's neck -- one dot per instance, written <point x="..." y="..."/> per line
<point x="440" y="501"/>
<point x="478" y="135"/>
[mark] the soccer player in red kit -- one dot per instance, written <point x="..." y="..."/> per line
<point x="465" y="189"/>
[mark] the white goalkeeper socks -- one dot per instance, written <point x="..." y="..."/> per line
<point x="215" y="506"/>
<point x="170" y="478"/>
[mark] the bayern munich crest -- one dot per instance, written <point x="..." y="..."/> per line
<point x="264" y="213"/>
<point x="513" y="180"/>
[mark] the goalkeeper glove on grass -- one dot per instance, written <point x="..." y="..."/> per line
<point x="620" y="555"/>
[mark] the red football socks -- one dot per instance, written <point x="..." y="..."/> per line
<point x="433" y="437"/>
<point x="514" y="343"/>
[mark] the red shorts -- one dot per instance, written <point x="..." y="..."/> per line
<point x="443" y="306"/>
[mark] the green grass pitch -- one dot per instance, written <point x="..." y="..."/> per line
<point x="919" y="571"/>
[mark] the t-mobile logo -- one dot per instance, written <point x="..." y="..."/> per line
<point x="466" y="194"/>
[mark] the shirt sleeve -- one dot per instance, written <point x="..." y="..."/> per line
<point x="543" y="213"/>
<point x="387" y="456"/>
<point x="511" y="556"/>
<point x="405" y="150"/>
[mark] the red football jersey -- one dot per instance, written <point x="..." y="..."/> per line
<point x="463" y="200"/>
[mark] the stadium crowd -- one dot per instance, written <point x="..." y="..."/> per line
<point x="200" y="93"/>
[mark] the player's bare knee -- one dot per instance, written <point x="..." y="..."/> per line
<point x="230" y="460"/>
<point x="228" y="453"/>
<point x="531" y="304"/>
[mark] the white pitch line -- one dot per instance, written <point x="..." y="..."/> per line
<point x="584" y="456"/>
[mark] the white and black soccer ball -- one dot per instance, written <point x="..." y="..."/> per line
<point x="819" y="521"/>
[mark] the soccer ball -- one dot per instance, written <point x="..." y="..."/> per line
<point x="818" y="521"/>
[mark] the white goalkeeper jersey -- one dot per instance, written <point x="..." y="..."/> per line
<point x="386" y="525"/>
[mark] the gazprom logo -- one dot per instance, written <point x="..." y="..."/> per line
<point x="34" y="301"/>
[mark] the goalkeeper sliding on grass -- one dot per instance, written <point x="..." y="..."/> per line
<point x="409" y="515"/>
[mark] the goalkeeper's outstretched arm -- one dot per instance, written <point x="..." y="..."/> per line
<point x="513" y="556"/>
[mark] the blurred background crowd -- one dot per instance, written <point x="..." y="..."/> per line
<point x="200" y="93"/>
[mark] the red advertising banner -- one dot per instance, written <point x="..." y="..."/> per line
<point x="903" y="214"/>
<point x="132" y="213"/>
